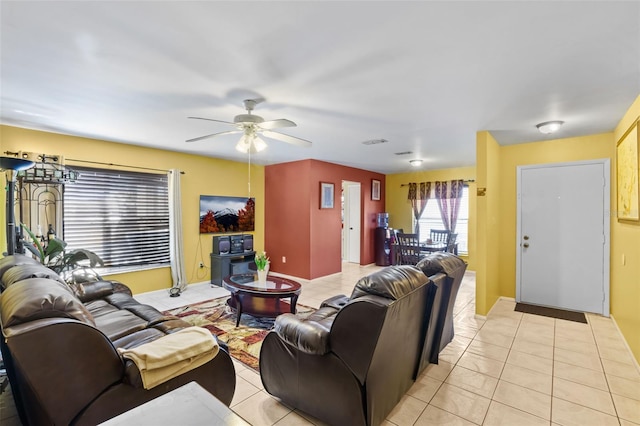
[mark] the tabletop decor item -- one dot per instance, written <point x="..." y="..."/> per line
<point x="262" y="264"/>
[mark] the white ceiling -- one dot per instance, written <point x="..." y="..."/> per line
<point x="424" y="75"/>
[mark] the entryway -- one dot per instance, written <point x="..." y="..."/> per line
<point x="351" y="221"/>
<point x="563" y="235"/>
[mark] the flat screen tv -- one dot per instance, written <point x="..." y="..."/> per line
<point x="226" y="214"/>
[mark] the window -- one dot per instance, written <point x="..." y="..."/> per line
<point x="122" y="216"/>
<point x="431" y="219"/>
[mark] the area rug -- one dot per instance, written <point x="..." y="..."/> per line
<point x="244" y="342"/>
<point x="551" y="312"/>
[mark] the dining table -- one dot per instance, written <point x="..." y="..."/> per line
<point x="433" y="246"/>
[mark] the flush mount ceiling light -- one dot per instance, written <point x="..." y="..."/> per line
<point x="415" y="163"/>
<point x="549" y="126"/>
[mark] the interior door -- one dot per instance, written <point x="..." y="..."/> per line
<point x="352" y="222"/>
<point x="563" y="236"/>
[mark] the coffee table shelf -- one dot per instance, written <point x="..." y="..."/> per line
<point x="261" y="300"/>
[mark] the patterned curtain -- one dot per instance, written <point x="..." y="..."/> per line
<point x="448" y="196"/>
<point x="419" y="200"/>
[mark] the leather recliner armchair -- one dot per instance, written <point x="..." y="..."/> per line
<point x="352" y="360"/>
<point x="442" y="332"/>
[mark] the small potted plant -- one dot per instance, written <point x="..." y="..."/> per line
<point x="262" y="265"/>
<point x="55" y="256"/>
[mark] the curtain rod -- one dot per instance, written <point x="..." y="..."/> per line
<point x="464" y="181"/>
<point x="120" y="165"/>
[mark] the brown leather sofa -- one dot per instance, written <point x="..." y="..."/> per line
<point x="351" y="361"/>
<point x="60" y="344"/>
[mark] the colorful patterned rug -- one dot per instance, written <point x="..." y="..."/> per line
<point x="245" y="341"/>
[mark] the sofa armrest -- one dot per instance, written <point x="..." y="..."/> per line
<point x="92" y="290"/>
<point x="81" y="364"/>
<point x="311" y="334"/>
<point x="336" y="302"/>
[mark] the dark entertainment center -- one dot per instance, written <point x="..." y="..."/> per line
<point x="230" y="255"/>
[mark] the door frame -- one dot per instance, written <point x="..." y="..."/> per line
<point x="606" y="217"/>
<point x="346" y="235"/>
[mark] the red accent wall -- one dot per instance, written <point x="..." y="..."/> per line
<point x="309" y="237"/>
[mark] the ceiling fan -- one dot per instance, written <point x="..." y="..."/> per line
<point x="250" y="126"/>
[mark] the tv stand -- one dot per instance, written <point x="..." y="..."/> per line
<point x="223" y="265"/>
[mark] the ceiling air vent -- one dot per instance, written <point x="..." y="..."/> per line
<point x="404" y="153"/>
<point x="374" y="141"/>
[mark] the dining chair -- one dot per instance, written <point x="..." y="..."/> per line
<point x="409" y="245"/>
<point x="439" y="235"/>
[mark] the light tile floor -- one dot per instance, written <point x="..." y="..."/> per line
<point x="508" y="369"/>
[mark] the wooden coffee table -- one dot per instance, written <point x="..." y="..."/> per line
<point x="261" y="300"/>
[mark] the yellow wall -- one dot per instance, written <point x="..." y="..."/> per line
<point x="488" y="215"/>
<point x="496" y="251"/>
<point x="399" y="208"/>
<point x="625" y="241"/>
<point x="496" y="216"/>
<point x="203" y="176"/>
<point x="553" y="151"/>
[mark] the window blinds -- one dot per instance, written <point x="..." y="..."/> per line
<point x="122" y="216"/>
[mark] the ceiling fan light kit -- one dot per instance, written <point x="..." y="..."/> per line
<point x="251" y="125"/>
<point x="549" y="126"/>
<point x="415" y="163"/>
<point x="251" y="143"/>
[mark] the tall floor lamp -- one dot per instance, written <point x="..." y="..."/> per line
<point x="11" y="167"/>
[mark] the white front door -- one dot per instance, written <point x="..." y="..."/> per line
<point x="563" y="236"/>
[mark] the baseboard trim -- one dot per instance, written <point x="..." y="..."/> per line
<point x="635" y="361"/>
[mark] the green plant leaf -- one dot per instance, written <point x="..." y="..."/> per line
<point x="54" y="248"/>
<point x="37" y="250"/>
<point x="56" y="258"/>
<point x="74" y="257"/>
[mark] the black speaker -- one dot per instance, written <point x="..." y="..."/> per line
<point x="236" y="244"/>
<point x="247" y="242"/>
<point x="221" y="244"/>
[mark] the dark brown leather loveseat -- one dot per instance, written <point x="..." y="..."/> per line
<point x="60" y="347"/>
<point x="351" y="361"/>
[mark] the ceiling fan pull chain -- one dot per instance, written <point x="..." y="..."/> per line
<point x="249" y="173"/>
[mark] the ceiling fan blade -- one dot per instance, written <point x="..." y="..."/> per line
<point x="274" y="124"/>
<point x="230" y="132"/>
<point x="286" y="138"/>
<point x="211" y="119"/>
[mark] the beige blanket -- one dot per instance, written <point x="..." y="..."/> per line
<point x="172" y="355"/>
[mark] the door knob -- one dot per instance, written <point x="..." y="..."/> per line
<point x="526" y="237"/>
<point x="525" y="245"/>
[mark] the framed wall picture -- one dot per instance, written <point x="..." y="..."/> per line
<point x="627" y="174"/>
<point x="375" y="189"/>
<point x="326" y="195"/>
